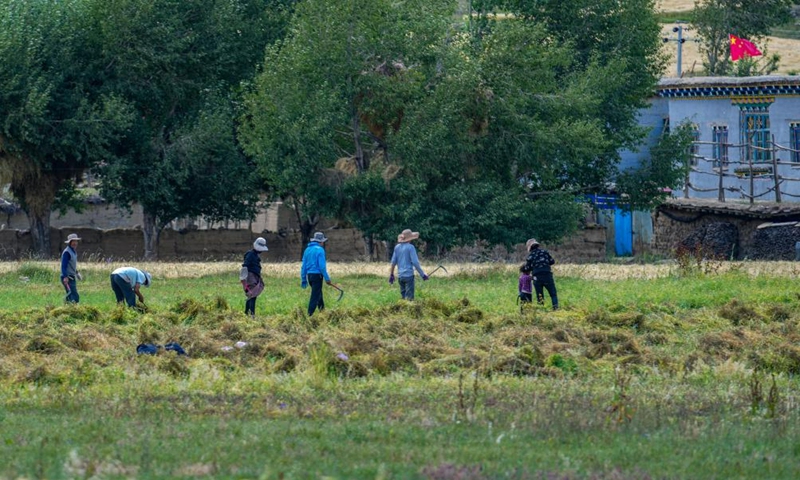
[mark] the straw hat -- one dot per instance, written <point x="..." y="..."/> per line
<point x="531" y="242"/>
<point x="407" y="236"/>
<point x="71" y="237"/>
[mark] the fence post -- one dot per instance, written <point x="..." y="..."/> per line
<point x="775" y="175"/>
<point x="750" y="166"/>
<point x="721" y="194"/>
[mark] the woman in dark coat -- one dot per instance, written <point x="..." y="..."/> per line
<point x="538" y="263"/>
<point x="250" y="275"/>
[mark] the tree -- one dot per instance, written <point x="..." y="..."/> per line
<point x="499" y="147"/>
<point x="57" y="121"/>
<point x="647" y="186"/>
<point x="178" y="63"/>
<point x="482" y="133"/>
<point x="715" y="20"/>
<point x="330" y="94"/>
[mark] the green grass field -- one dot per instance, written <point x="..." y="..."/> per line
<point x="648" y="371"/>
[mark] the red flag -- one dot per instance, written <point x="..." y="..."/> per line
<point x="741" y="48"/>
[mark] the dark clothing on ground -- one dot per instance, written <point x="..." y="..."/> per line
<point x="123" y="289"/>
<point x="544" y="280"/>
<point x="316" y="301"/>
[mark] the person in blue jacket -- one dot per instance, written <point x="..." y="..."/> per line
<point x="314" y="271"/>
<point x="69" y="269"/>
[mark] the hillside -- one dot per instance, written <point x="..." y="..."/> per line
<point x="789" y="49"/>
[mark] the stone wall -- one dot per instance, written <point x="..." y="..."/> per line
<point x="344" y="244"/>
<point x="587" y="245"/>
<point x="673" y="226"/>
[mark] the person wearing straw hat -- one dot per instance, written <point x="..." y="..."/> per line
<point x="250" y="275"/>
<point x="314" y="270"/>
<point x="538" y="262"/>
<point x="69" y="269"/>
<point x="125" y="282"/>
<point x="406" y="260"/>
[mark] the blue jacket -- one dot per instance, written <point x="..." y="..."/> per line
<point x="314" y="262"/>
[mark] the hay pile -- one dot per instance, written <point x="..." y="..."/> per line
<point x="77" y="344"/>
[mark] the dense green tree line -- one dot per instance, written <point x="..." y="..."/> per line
<point x="383" y="114"/>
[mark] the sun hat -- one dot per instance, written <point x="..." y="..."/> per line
<point x="147" y="279"/>
<point x="71" y="237"/>
<point x="319" y="237"/>
<point x="407" y="236"/>
<point x="260" y="245"/>
<point x="531" y="242"/>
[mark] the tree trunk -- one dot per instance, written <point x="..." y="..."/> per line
<point x="39" y="221"/>
<point x="37" y="192"/>
<point x="369" y="248"/>
<point x="152" y="233"/>
<point x="306" y="225"/>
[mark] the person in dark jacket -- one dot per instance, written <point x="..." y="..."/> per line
<point x="539" y="262"/>
<point x="250" y="275"/>
<point x="314" y="271"/>
<point x="69" y="269"/>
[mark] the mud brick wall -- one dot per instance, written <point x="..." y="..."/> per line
<point x="587" y="245"/>
<point x="201" y="245"/>
<point x="668" y="232"/>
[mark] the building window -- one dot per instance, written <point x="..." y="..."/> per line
<point x="665" y="126"/>
<point x="754" y="127"/>
<point x="720" y="145"/>
<point x="794" y="141"/>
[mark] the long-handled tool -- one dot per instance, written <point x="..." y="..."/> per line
<point x="437" y="269"/>
<point x="341" y="292"/>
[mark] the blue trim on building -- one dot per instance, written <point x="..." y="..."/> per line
<point x="727" y="91"/>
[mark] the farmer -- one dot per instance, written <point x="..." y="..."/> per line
<point x="250" y="275"/>
<point x="406" y="260"/>
<point x="69" y="269"/>
<point x="314" y="270"/>
<point x="125" y="281"/>
<point x="538" y="262"/>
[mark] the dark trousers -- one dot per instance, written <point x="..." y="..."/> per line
<point x="406" y="287"/>
<point x="72" y="291"/>
<point x="123" y="290"/>
<point x="525" y="297"/>
<point x="316" y="301"/>
<point x="544" y="280"/>
<point x="250" y="306"/>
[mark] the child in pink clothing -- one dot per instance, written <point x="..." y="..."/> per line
<point x="525" y="284"/>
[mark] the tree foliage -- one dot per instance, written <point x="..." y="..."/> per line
<point x="56" y="118"/>
<point x="715" y="20"/>
<point x="666" y="168"/>
<point x="480" y="131"/>
<point x="177" y="62"/>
